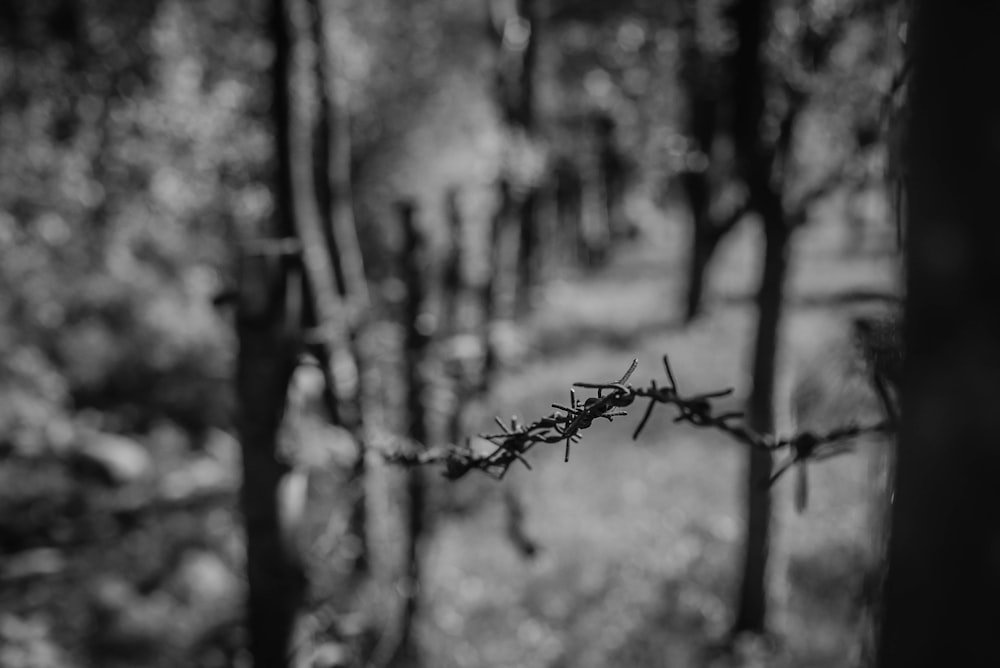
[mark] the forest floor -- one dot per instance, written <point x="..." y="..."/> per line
<point x="640" y="541"/>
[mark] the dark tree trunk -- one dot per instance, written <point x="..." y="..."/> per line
<point x="267" y="356"/>
<point x="568" y="195"/>
<point x="705" y="239"/>
<point x="490" y="288"/>
<point x="453" y="279"/>
<point x="754" y="158"/>
<point x="751" y="612"/>
<point x="943" y="579"/>
<point x="267" y="327"/>
<point x="525" y="117"/>
<point x="527" y="251"/>
<point x="417" y="347"/>
<point x="612" y="167"/>
<point x="524" y="113"/>
<point x="702" y="79"/>
<point x="454" y="289"/>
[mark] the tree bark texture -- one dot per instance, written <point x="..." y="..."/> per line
<point x="943" y="580"/>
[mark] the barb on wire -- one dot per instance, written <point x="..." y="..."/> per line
<point x="565" y="424"/>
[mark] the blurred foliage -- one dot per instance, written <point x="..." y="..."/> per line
<point x="627" y="61"/>
<point x="612" y="61"/>
<point x="130" y="151"/>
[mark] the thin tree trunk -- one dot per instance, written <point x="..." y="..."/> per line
<point x="417" y="346"/>
<point x="706" y="235"/>
<point x="527" y="251"/>
<point x="530" y="11"/>
<point x="568" y="236"/>
<point x="453" y="279"/>
<point x="341" y="231"/>
<point x="335" y="112"/>
<point x="524" y="116"/>
<point x="943" y="579"/>
<point x="489" y="294"/>
<point x="332" y="332"/>
<point x="266" y="360"/>
<point x="329" y="309"/>
<point x="704" y="241"/>
<point x="595" y="234"/>
<point x="754" y="160"/>
<point x="701" y="78"/>
<point x="453" y="290"/>
<point x="751" y="612"/>
<point x="612" y="168"/>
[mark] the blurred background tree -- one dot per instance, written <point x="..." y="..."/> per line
<point x="944" y="511"/>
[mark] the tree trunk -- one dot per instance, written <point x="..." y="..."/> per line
<point x="417" y="344"/>
<point x="701" y="77"/>
<point x="754" y="159"/>
<point x="612" y="166"/>
<point x="336" y="203"/>
<point x="568" y="195"/>
<point x="331" y="314"/>
<point x="527" y="251"/>
<point x="266" y="360"/>
<point x="751" y="613"/>
<point x="943" y="579"/>
<point x="453" y="275"/>
<point x="524" y="114"/>
<point x="524" y="117"/>
<point x="701" y="252"/>
<point x="488" y="295"/>
<point x="335" y="116"/>
<point x="595" y="234"/>
<point x="704" y="240"/>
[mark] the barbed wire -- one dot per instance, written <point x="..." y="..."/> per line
<point x="567" y="422"/>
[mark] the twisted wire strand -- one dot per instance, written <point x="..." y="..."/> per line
<point x="567" y="422"/>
